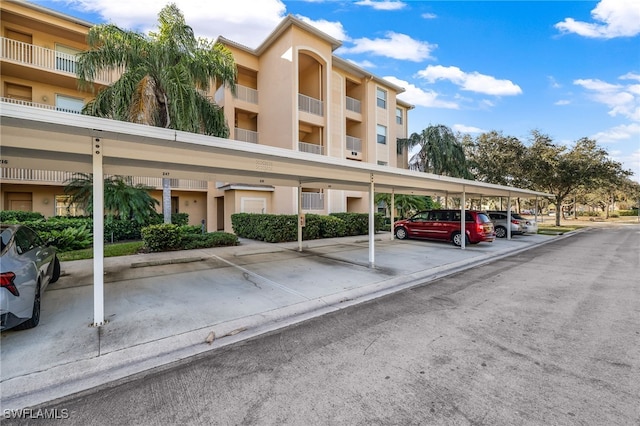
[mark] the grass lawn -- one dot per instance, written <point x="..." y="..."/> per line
<point x="110" y="250"/>
<point x="557" y="230"/>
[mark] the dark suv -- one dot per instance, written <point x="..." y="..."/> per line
<point x="445" y="225"/>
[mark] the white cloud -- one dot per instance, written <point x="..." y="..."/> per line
<point x="429" y="15"/>
<point x="466" y="129"/>
<point x="473" y="81"/>
<point x="334" y="29"/>
<point x="247" y="22"/>
<point x="383" y="4"/>
<point x="553" y="82"/>
<point x="622" y="100"/>
<point x="363" y="64"/>
<point x="416" y="96"/>
<point x="614" y="18"/>
<point x="630" y="76"/>
<point x="619" y="133"/>
<point x="562" y="102"/>
<point x="396" y="46"/>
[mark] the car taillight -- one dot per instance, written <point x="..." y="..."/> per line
<point x="515" y="222"/>
<point x="6" y="281"/>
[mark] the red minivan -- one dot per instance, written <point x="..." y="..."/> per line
<point x="445" y="225"/>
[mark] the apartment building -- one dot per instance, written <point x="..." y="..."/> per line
<point x="292" y="92"/>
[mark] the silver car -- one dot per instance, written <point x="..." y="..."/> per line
<point x="27" y="267"/>
<point x="499" y="219"/>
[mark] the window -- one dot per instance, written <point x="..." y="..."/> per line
<point x="64" y="208"/>
<point x="382" y="134"/>
<point x="381" y="98"/>
<point x="67" y="104"/>
<point x="382" y="163"/>
<point x="398" y="116"/>
<point x="66" y="58"/>
<point x="18" y="92"/>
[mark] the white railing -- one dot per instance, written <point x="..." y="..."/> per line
<point x="246" y="94"/>
<point x="60" y="177"/>
<point x="310" y="147"/>
<point x="246" y="135"/>
<point x="47" y="59"/>
<point x="26" y="103"/>
<point x="310" y="105"/>
<point x="354" y="144"/>
<point x="354" y="105"/>
<point x="312" y="201"/>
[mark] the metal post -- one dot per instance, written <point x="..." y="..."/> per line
<point x="98" y="233"/>
<point x="372" y="228"/>
<point x="463" y="221"/>
<point x="393" y="206"/>
<point x="300" y="217"/>
<point x="509" y="216"/>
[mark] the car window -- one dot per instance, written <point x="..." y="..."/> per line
<point x="517" y="216"/>
<point x="5" y="238"/>
<point x="483" y="218"/>
<point x="420" y="217"/>
<point x="468" y="217"/>
<point x="25" y="240"/>
<point x="439" y="215"/>
<point x="455" y="216"/>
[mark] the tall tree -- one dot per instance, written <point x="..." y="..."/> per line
<point x="495" y="158"/>
<point x="561" y="171"/>
<point x="439" y="152"/>
<point x="165" y="78"/>
<point x="405" y="203"/>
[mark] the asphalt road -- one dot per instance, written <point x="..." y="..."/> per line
<point x="548" y="336"/>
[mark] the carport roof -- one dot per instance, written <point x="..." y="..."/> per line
<point x="36" y="138"/>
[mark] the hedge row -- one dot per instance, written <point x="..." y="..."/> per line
<point x="280" y="228"/>
<point x="166" y="237"/>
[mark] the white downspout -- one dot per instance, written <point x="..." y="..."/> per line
<point x="98" y="233"/>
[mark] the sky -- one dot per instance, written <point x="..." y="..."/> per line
<point x="568" y="69"/>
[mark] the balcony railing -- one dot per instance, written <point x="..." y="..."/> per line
<point x="37" y="105"/>
<point x="310" y="147"/>
<point x="246" y="94"/>
<point x="59" y="177"/>
<point x="312" y="201"/>
<point x="310" y="105"/>
<point x="47" y="59"/>
<point x="354" y="144"/>
<point x="354" y="105"/>
<point x="246" y="135"/>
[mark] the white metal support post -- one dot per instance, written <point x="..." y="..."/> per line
<point x="98" y="233"/>
<point x="300" y="217"/>
<point x="393" y="206"/>
<point x="463" y="220"/>
<point x="509" y="216"/>
<point x="372" y="227"/>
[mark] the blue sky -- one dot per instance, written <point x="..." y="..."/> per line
<point x="569" y="69"/>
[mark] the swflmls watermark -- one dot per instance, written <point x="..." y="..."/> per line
<point x="39" y="413"/>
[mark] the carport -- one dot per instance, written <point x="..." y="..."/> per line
<point x="35" y="138"/>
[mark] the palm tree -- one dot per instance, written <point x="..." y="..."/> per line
<point x="165" y="76"/>
<point x="121" y="198"/>
<point x="439" y="152"/>
<point x="405" y="204"/>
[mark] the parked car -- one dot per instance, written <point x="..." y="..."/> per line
<point x="529" y="226"/>
<point x="445" y="225"/>
<point x="27" y="267"/>
<point x="499" y="219"/>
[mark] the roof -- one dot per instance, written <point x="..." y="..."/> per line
<point x="35" y="138"/>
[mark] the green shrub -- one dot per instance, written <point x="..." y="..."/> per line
<point x="210" y="239"/>
<point x="19" y="216"/>
<point x="358" y="223"/>
<point x="628" y="212"/>
<point x="161" y="237"/>
<point x="68" y="239"/>
<point x="331" y="227"/>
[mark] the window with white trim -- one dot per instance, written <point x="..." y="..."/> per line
<point x="381" y="98"/>
<point x="382" y="134"/>
<point x="399" y="117"/>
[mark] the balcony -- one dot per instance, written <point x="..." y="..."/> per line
<point x="55" y="177"/>
<point x="312" y="201"/>
<point x="310" y="105"/>
<point x="245" y="135"/>
<point x="37" y="105"/>
<point x="354" y="144"/>
<point x="47" y="59"/>
<point x="354" y="105"/>
<point x="243" y="93"/>
<point x="310" y="147"/>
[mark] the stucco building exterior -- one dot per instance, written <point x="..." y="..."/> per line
<point x="292" y="92"/>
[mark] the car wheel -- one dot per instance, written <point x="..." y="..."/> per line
<point x="56" y="270"/>
<point x="501" y="232"/>
<point x="456" y="239"/>
<point x="401" y="233"/>
<point x="35" y="314"/>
